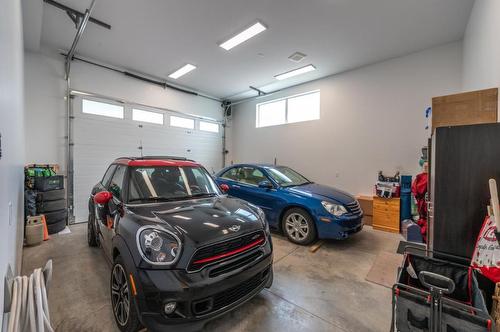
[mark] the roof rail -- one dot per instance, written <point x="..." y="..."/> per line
<point x="157" y="157"/>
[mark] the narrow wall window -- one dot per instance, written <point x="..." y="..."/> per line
<point x="271" y="114"/>
<point x="299" y="108"/>
<point x="177" y="121"/>
<point x="209" y="126"/>
<point x="147" y="116"/>
<point x="102" y="109"/>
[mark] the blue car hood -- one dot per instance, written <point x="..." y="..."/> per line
<point x="323" y="192"/>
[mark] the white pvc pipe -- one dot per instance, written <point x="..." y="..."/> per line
<point x="29" y="310"/>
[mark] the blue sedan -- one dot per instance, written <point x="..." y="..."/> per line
<point x="302" y="209"/>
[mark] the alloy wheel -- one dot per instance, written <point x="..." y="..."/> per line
<point x="120" y="295"/>
<point x="296" y="226"/>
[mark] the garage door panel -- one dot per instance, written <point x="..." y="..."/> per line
<point x="99" y="140"/>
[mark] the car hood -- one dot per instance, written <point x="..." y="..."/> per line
<point x="203" y="220"/>
<point x="322" y="192"/>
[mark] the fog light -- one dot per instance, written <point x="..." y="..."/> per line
<point x="169" y="307"/>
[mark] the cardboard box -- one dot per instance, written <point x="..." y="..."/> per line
<point x="366" y="203"/>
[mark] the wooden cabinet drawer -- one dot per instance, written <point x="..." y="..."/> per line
<point x="378" y="201"/>
<point x="386" y="208"/>
<point x="386" y="214"/>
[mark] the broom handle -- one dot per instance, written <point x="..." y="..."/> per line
<point x="494" y="202"/>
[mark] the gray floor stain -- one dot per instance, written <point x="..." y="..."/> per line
<point x="322" y="291"/>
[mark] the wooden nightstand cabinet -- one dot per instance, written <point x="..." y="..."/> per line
<point x="386" y="214"/>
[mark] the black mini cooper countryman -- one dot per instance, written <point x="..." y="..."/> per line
<point x="182" y="252"/>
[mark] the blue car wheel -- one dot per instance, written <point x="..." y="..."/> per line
<point x="298" y="226"/>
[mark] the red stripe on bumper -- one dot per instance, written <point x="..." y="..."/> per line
<point x="230" y="253"/>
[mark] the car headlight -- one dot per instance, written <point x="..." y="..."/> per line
<point x="336" y="209"/>
<point x="158" y="247"/>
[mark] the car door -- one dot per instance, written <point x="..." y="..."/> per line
<point x="106" y="220"/>
<point x="244" y="182"/>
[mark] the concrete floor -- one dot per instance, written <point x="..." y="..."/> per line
<point x="322" y="291"/>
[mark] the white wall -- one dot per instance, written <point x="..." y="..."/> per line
<point x="12" y="147"/>
<point x="372" y="119"/>
<point x="481" y="47"/>
<point x="45" y="105"/>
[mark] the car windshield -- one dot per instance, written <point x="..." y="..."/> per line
<point x="169" y="183"/>
<point x="286" y="177"/>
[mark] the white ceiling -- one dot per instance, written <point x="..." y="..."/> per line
<point x="157" y="37"/>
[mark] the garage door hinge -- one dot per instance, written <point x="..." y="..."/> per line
<point x="71" y="144"/>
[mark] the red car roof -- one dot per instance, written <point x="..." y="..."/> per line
<point x="156" y="162"/>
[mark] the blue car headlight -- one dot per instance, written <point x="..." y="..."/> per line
<point x="336" y="209"/>
<point x="158" y="247"/>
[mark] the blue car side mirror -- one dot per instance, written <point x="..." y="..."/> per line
<point x="265" y="184"/>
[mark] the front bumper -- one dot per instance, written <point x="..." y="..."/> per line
<point x="199" y="298"/>
<point x="339" y="228"/>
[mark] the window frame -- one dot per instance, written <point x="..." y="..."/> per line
<point x="208" y="131"/>
<point x="107" y="102"/>
<point x="238" y="170"/>
<point x="133" y="109"/>
<point x="124" y="184"/>
<point x="286" y="99"/>
<point x="181" y="117"/>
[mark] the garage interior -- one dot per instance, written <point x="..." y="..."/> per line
<point x="394" y="103"/>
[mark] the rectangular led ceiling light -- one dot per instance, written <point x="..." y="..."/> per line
<point x="243" y="36"/>
<point x="182" y="71"/>
<point x="295" y="72"/>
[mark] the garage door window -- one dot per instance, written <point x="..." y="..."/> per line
<point x="177" y="121"/>
<point x="146" y="116"/>
<point x="102" y="109"/>
<point x="209" y="126"/>
<point x="299" y="108"/>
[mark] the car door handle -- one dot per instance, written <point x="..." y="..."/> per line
<point x="235" y="186"/>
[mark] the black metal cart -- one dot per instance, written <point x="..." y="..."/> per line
<point x="437" y="295"/>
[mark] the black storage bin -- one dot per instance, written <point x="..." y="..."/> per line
<point x="51" y="195"/>
<point x="49" y="206"/>
<point x="48" y="183"/>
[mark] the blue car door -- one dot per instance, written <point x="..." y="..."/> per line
<point x="244" y="183"/>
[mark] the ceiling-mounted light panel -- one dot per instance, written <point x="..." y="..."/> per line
<point x="295" y="72"/>
<point x="182" y="71"/>
<point x="243" y="36"/>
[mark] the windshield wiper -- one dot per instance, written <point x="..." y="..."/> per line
<point x="203" y="194"/>
<point x="152" y="199"/>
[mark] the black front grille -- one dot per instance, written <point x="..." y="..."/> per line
<point x="354" y="207"/>
<point x="240" y="262"/>
<point x="230" y="296"/>
<point x="222" y="248"/>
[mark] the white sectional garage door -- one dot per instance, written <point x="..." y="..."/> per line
<point x="99" y="139"/>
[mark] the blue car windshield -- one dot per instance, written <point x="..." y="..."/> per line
<point x="286" y="177"/>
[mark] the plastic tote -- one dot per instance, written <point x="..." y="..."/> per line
<point x="435" y="295"/>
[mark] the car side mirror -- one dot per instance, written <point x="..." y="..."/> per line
<point x="265" y="184"/>
<point x="224" y="187"/>
<point x="103" y="197"/>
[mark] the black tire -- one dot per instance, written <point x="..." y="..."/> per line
<point x="92" y="239"/>
<point x="51" y="206"/>
<point x="298" y="226"/>
<point x="56" y="227"/>
<point x="56" y="216"/>
<point x="131" y="323"/>
<point x="52" y="195"/>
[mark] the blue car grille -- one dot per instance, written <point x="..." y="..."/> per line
<point x="354" y="208"/>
